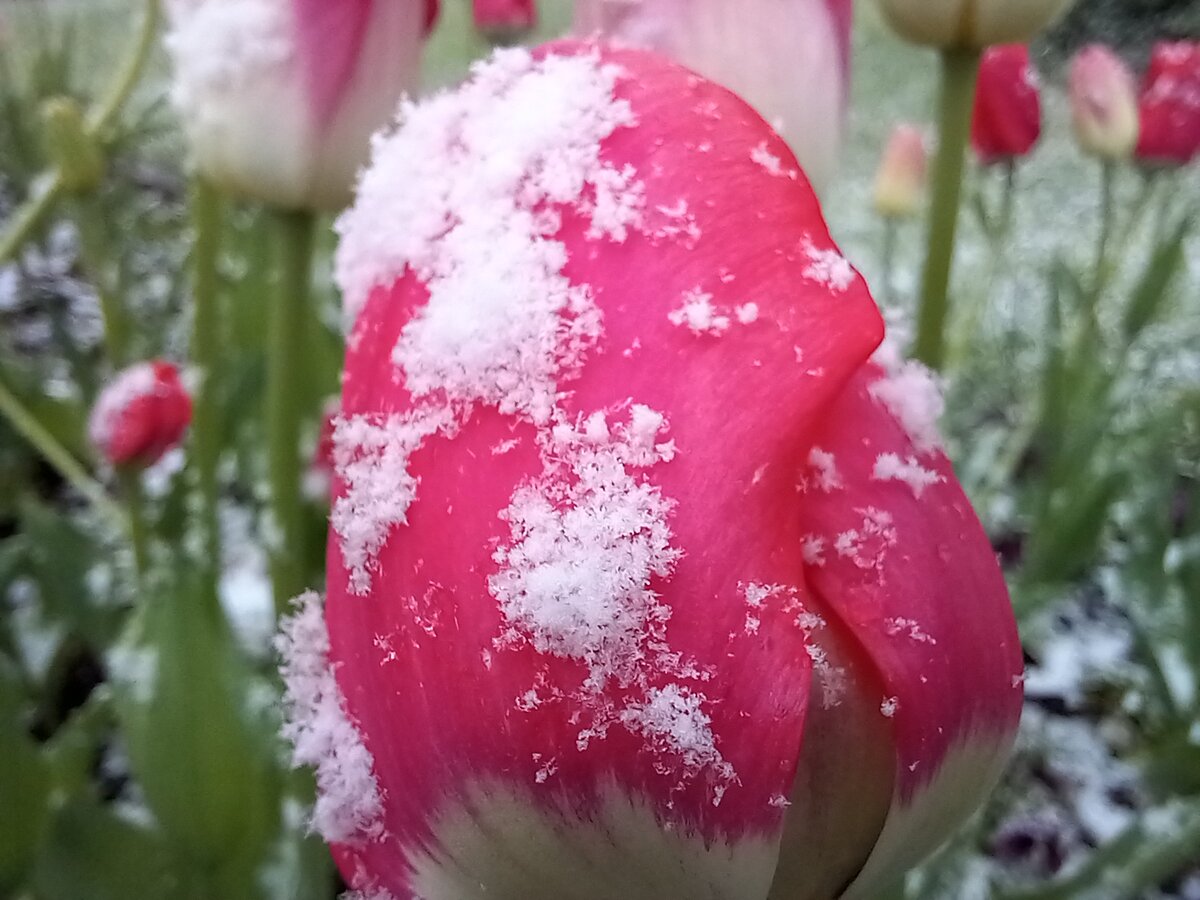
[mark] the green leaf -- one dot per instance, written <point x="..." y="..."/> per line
<point x="1064" y="542"/>
<point x="91" y="852"/>
<point x="24" y="785"/>
<point x="1154" y="285"/>
<point x="202" y="742"/>
<point x="63" y="560"/>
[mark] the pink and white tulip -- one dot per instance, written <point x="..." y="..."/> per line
<point x="140" y="414"/>
<point x="1104" y="104"/>
<point x="789" y="59"/>
<point x="645" y="580"/>
<point x="280" y="97"/>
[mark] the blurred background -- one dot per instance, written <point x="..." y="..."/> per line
<point x="1082" y="457"/>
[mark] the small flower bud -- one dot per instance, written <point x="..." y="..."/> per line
<point x="1169" y="107"/>
<point x="504" y="21"/>
<point x="901" y="177"/>
<point x="141" y="414"/>
<point x="1007" y="120"/>
<point x="73" y="151"/>
<point x="1104" y="109"/>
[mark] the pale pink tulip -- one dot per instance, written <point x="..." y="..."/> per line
<point x="789" y="59"/>
<point x="1104" y="104"/>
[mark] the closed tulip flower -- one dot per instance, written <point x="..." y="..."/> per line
<point x="141" y="414"/>
<point x="644" y="579"/>
<point x="970" y="23"/>
<point x="790" y="59"/>
<point x="1007" y="120"/>
<point x="279" y="97"/>
<point x="900" y="180"/>
<point x="1104" y="110"/>
<point x="1169" y="107"/>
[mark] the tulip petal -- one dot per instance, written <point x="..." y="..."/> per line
<point x="901" y="560"/>
<point x="566" y="598"/>
<point x="329" y="37"/>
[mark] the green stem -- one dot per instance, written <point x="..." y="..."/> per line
<point x="206" y="355"/>
<point x="95" y="255"/>
<point x="104" y="115"/>
<point x="888" y="258"/>
<point x="54" y="453"/>
<point x="44" y="192"/>
<point x="130" y="480"/>
<point x="289" y="310"/>
<point x="997" y="231"/>
<point x="1108" y="174"/>
<point x="960" y="70"/>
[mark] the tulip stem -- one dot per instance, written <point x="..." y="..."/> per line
<point x="891" y="231"/>
<point x="996" y="229"/>
<point x="206" y="357"/>
<point x="131" y="72"/>
<point x="1108" y="173"/>
<point x="959" y="73"/>
<point x="289" y="309"/>
<point x="59" y="457"/>
<point x="44" y="192"/>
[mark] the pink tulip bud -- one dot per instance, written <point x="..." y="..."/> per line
<point x="504" y="20"/>
<point x="1007" y="118"/>
<point x="901" y="177"/>
<point x="643" y="579"/>
<point x="279" y="97"/>
<point x="1104" y="109"/>
<point x="1169" y="108"/>
<point x="789" y="59"/>
<point x="141" y="414"/>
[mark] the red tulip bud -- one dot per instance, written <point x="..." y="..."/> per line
<point x="1007" y="120"/>
<point x="141" y="414"/>
<point x="1169" y="107"/>
<point x="504" y="20"/>
<point x="643" y="580"/>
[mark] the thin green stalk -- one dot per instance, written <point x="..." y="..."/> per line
<point x="49" y="187"/>
<point x="887" y="260"/>
<point x="997" y="232"/>
<point x="44" y="193"/>
<point x="131" y="72"/>
<point x="1108" y="174"/>
<point x="960" y="71"/>
<point x="129" y="478"/>
<point x="289" y="310"/>
<point x="206" y="353"/>
<point x="96" y="257"/>
<point x="95" y="254"/>
<point x="54" y="453"/>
